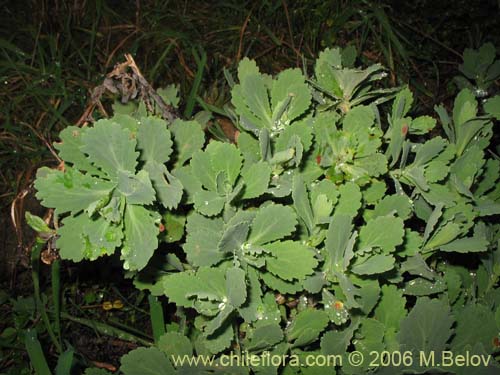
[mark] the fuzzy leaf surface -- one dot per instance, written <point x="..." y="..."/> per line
<point x="271" y="223"/>
<point x="290" y="260"/>
<point x="141" y="239"/>
<point x="427" y="327"/>
<point x="110" y="147"/>
<point x="69" y="191"/>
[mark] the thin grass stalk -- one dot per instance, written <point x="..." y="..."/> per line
<point x="157" y="318"/>
<point x="35" y="263"/>
<point x="56" y="296"/>
<point x="201" y="61"/>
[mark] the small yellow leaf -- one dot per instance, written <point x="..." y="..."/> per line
<point x="107" y="305"/>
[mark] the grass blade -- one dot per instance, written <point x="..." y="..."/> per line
<point x="35" y="352"/>
<point x="157" y="318"/>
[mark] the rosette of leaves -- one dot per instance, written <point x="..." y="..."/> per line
<point x="264" y="103"/>
<point x="480" y="70"/>
<point x="344" y="86"/>
<point x="252" y="242"/>
<point x="113" y="181"/>
<point x="276" y="114"/>
<point x="351" y="152"/>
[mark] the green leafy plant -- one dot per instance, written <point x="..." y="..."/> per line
<point x="481" y="67"/>
<point x="326" y="228"/>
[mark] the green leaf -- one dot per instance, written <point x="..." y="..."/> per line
<point x="416" y="265"/>
<point x="391" y="308"/>
<point x="271" y="223"/>
<point x="216" y="323"/>
<point x="206" y="283"/>
<point x="337" y="311"/>
<point x="436" y="170"/>
<point x="217" y="342"/>
<point x="443" y="235"/>
<point x="428" y="151"/>
<point x="475" y="324"/>
<point x="307" y="326"/>
<point x="249" y="310"/>
<point x="249" y="147"/>
<point x="374" y="192"/>
<point x="383" y="232"/>
<point x="201" y="168"/>
<point x="188" y="180"/>
<point x="154" y="140"/>
<point x="256" y="179"/>
<point x="168" y="187"/>
<point x="290" y="260"/>
<point x="328" y="60"/>
<point x="208" y="203"/>
<point x="492" y="107"/>
<point x="175" y="343"/>
<point x="225" y="157"/>
<point x="423" y="287"/>
<point x="315" y="282"/>
<point x="337" y="342"/>
<point x="300" y="129"/>
<point x="489" y="177"/>
<point x="178" y="286"/>
<point x="464" y="108"/>
<point x="188" y="138"/>
<point x="170" y="94"/>
<point x="264" y="336"/>
<point x="350" y="199"/>
<point x="69" y="191"/>
<point x="477" y="61"/>
<point x="103" y="238"/>
<point x="37" y="223"/>
<point x="301" y="202"/>
<point x="399" y="204"/>
<point x="110" y="147"/>
<point x="368" y="291"/>
<point x="368" y="339"/>
<point x="234" y="237"/>
<point x="466" y="245"/>
<point x="422" y="125"/>
<point x="427" y="327"/>
<point x="359" y="120"/>
<point x="290" y="96"/>
<point x="70" y="149"/>
<point x="141" y="239"/>
<point x="71" y="242"/>
<point x="136" y="188"/>
<point x="402" y="103"/>
<point x="202" y="241"/>
<point x="370" y="265"/>
<point x="256" y="98"/>
<point x="146" y="361"/>
<point x="282" y="286"/>
<point x="236" y="286"/>
<point x="337" y="241"/>
<point x="411" y="245"/>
